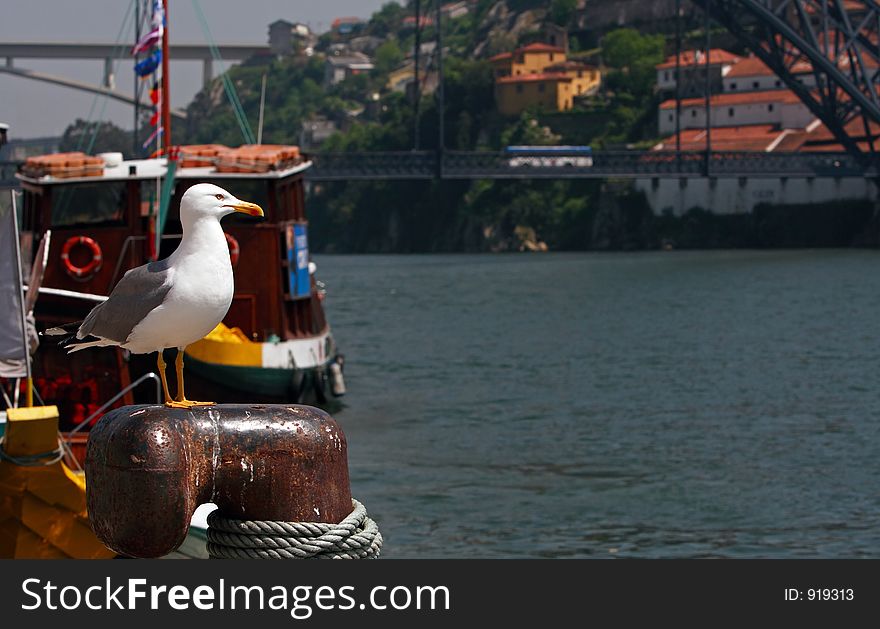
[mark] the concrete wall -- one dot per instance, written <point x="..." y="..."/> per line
<point x="752" y="83"/>
<point x="551" y="95"/>
<point x="755" y="83"/>
<point x="534" y="62"/>
<point x="693" y="80"/>
<point x="786" y="115"/>
<point x="725" y="195"/>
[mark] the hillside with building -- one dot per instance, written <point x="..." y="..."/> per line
<point x="530" y="72"/>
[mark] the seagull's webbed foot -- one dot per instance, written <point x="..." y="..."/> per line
<point x="184" y="403"/>
<point x="180" y="401"/>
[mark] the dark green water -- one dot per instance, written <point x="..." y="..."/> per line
<point x="707" y="404"/>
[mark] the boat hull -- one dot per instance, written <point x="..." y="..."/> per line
<point x="229" y="365"/>
<point x="312" y="385"/>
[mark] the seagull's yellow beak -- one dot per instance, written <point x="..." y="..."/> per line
<point x="246" y="208"/>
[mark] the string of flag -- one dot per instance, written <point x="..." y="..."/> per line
<point x="147" y="67"/>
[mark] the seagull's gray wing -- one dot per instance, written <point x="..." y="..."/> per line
<point x="138" y="292"/>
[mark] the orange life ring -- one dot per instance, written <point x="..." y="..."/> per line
<point x="91" y="267"/>
<point x="234" y="249"/>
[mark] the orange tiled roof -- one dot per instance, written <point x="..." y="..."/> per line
<point x="737" y="98"/>
<point x="527" y="78"/>
<point x="501" y="56"/>
<point x="750" y="66"/>
<point x="744" y="138"/>
<point x="534" y="47"/>
<point x="539" y="47"/>
<point x="695" y="57"/>
<point x="753" y="66"/>
<point x="346" y="20"/>
<point x="818" y="137"/>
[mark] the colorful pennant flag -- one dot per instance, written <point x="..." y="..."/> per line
<point x="158" y="19"/>
<point x="154" y="135"/>
<point x="147" y="41"/>
<point x="148" y="65"/>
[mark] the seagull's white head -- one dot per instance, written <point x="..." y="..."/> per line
<point x="206" y="199"/>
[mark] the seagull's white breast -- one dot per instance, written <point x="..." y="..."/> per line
<point x="200" y="295"/>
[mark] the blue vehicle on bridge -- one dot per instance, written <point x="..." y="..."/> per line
<point x="556" y="156"/>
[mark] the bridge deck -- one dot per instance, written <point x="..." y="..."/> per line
<point x="602" y="165"/>
<point x="407" y="165"/>
<point x="73" y="50"/>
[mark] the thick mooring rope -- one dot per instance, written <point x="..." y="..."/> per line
<point x="34" y="460"/>
<point x="356" y="537"/>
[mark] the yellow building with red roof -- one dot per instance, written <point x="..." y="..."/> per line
<point x="540" y="75"/>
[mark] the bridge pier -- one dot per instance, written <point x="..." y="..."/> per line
<point x="109" y="79"/>
<point x="10" y="62"/>
<point x="207" y="72"/>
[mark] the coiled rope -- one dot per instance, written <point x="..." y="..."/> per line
<point x="356" y="537"/>
<point x="33" y="460"/>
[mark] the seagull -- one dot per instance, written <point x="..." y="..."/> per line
<point x="171" y="302"/>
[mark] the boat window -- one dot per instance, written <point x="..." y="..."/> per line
<point x="89" y="204"/>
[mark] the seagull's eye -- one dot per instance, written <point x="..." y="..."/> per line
<point x="219" y="197"/>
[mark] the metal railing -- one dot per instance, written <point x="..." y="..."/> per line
<point x="374" y="165"/>
<point x="575" y="165"/>
<point x="147" y="376"/>
<point x="404" y="165"/>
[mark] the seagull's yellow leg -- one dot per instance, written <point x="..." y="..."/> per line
<point x="180" y="401"/>
<point x="160" y="363"/>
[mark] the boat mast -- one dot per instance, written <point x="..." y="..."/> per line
<point x="137" y="108"/>
<point x="262" y="106"/>
<point x="29" y="388"/>
<point x="166" y="93"/>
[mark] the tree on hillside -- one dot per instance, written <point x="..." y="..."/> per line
<point x="388" y="56"/>
<point x="96" y="137"/>
<point x="632" y="57"/>
<point x="386" y="20"/>
<point x="626" y="47"/>
<point x="630" y="80"/>
<point x="562" y="11"/>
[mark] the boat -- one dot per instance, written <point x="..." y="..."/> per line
<point x="274" y="345"/>
<point x="86" y="220"/>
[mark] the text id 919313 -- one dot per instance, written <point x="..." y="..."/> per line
<point x="820" y="594"/>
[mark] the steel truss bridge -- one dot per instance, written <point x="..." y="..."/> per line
<point x="837" y="40"/>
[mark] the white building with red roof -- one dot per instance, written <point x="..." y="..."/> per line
<point x="692" y="64"/>
<point x="780" y="107"/>
<point x="751" y="74"/>
<point x="751" y="109"/>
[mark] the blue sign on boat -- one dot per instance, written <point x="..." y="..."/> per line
<point x="298" y="260"/>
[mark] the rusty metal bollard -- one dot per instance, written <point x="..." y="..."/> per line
<point x="149" y="467"/>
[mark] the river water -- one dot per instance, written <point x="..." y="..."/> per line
<point x="680" y="404"/>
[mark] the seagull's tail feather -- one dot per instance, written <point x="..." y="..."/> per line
<point x="68" y="329"/>
<point x="65" y="336"/>
<point x="74" y="345"/>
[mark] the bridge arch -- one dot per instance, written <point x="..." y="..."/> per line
<point x="841" y="42"/>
